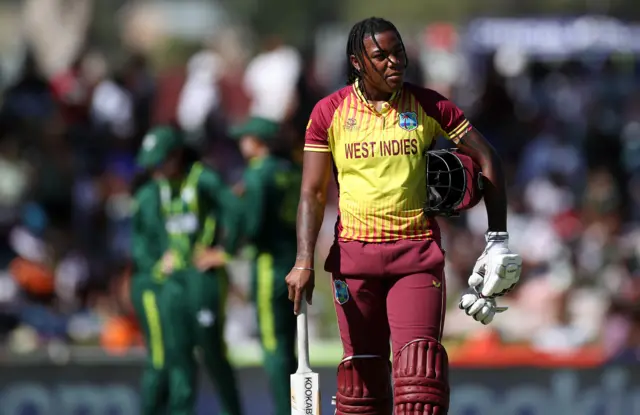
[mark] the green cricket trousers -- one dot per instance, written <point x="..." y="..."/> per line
<point x="195" y="309"/>
<point x="146" y="299"/>
<point x="277" y="325"/>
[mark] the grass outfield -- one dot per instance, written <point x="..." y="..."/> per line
<point x="325" y="353"/>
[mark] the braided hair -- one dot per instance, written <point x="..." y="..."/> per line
<point x="355" y="44"/>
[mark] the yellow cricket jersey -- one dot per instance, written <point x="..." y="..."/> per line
<point x="378" y="158"/>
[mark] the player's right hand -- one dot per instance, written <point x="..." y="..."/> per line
<point x="300" y="282"/>
<point x="239" y="189"/>
<point x="480" y="308"/>
<point x="205" y="259"/>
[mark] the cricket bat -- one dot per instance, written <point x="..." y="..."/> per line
<point x="305" y="384"/>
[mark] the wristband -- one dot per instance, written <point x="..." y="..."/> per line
<point x="303" y="268"/>
<point x="496" y="236"/>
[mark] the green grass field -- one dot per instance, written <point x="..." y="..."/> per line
<point x="325" y="353"/>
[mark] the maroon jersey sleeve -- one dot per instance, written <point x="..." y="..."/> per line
<point x="450" y="118"/>
<point x="317" y="135"/>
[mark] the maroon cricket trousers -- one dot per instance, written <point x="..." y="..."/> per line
<point x="396" y="291"/>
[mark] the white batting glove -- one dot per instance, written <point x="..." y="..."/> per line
<point x="498" y="269"/>
<point x="481" y="309"/>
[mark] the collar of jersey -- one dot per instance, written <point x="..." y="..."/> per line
<point x="166" y="188"/>
<point x="358" y="92"/>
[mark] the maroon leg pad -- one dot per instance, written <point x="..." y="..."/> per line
<point x="364" y="387"/>
<point x="421" y="379"/>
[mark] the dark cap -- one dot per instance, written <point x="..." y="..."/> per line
<point x="260" y="127"/>
<point x="157" y="145"/>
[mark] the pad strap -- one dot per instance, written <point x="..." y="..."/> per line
<point x="364" y="386"/>
<point x="421" y="379"/>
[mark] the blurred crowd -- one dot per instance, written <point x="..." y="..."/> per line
<point x="67" y="166"/>
<point x="568" y="133"/>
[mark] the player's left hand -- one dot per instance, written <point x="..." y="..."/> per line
<point x="208" y="258"/>
<point x="239" y="189"/>
<point x="479" y="308"/>
<point x="167" y="262"/>
<point x="498" y="269"/>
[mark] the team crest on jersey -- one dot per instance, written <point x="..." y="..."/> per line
<point x="341" y="291"/>
<point x="205" y="317"/>
<point x="350" y="124"/>
<point x="408" y="121"/>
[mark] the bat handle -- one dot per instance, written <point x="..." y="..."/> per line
<point x="303" y="338"/>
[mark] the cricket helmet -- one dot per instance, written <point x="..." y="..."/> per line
<point x="454" y="183"/>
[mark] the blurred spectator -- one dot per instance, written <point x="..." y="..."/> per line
<point x="562" y="335"/>
<point x="200" y="95"/>
<point x="15" y="179"/>
<point x="623" y="331"/>
<point x="308" y="93"/>
<point x="271" y="78"/>
<point x="29" y="100"/>
<point x="551" y="153"/>
<point x="141" y="83"/>
<point x="73" y="87"/>
<point x="112" y="106"/>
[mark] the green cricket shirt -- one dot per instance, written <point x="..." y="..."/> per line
<point x="149" y="238"/>
<point x="272" y="192"/>
<point x="199" y="210"/>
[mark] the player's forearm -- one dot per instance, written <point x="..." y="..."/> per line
<point x="495" y="194"/>
<point x="309" y="221"/>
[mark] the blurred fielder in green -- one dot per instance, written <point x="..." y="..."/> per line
<point x="193" y="219"/>
<point x="149" y="244"/>
<point x="270" y="194"/>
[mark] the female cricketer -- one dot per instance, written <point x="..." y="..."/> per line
<point x="386" y="263"/>
<point x="196" y="219"/>
<point x="148" y="245"/>
<point x="271" y="190"/>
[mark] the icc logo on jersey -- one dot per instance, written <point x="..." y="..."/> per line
<point x="350" y="124"/>
<point x="205" y="318"/>
<point x="408" y="121"/>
